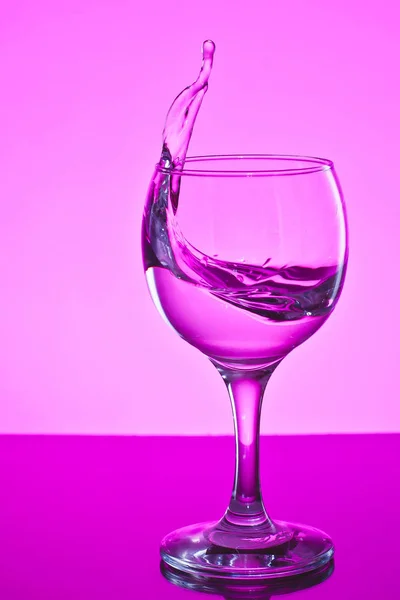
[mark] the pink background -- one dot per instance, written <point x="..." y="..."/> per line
<point x="85" y="86"/>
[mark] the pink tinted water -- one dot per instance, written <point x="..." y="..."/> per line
<point x="182" y="114"/>
<point x="238" y="313"/>
<point x="253" y="325"/>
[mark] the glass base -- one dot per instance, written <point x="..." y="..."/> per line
<point x="209" y="550"/>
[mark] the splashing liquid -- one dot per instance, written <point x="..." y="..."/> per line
<point x="182" y="115"/>
<point x="236" y="313"/>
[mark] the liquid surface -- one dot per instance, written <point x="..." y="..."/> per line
<point x="250" y="324"/>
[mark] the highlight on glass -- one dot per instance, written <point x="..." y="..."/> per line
<point x="245" y="257"/>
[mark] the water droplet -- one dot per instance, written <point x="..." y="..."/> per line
<point x="240" y="278"/>
<point x="309" y="314"/>
<point x="208" y="49"/>
<point x="204" y="260"/>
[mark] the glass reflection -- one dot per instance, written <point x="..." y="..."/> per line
<point x="237" y="590"/>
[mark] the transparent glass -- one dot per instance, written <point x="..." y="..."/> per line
<point x="232" y="589"/>
<point x="245" y="257"/>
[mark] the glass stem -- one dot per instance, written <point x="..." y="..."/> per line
<point x="246" y="391"/>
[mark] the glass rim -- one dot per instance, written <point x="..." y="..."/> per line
<point x="312" y="164"/>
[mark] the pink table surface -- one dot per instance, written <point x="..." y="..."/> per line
<point x="82" y="517"/>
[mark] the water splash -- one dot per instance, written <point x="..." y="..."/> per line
<point x="182" y="114"/>
<point x="278" y="293"/>
<point x="162" y="239"/>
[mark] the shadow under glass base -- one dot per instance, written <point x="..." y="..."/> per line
<point x="208" y="550"/>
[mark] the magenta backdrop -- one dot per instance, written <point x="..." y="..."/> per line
<point x="85" y="86"/>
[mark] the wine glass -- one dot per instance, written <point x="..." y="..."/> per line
<point x="245" y="257"/>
